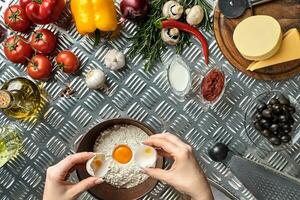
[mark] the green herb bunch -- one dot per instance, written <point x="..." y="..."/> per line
<point x="147" y="41"/>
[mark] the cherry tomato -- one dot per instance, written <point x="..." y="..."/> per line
<point x="67" y="61"/>
<point x="39" y="67"/>
<point x="16" y="49"/>
<point x="43" y="41"/>
<point x="16" y="18"/>
<point x="43" y="11"/>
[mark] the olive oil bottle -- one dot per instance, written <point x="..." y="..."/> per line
<point x="20" y="99"/>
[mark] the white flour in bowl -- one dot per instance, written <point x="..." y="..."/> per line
<point x="121" y="176"/>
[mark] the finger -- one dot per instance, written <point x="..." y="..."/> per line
<point x="166" y="145"/>
<point x="163" y="153"/>
<point x="85" y="184"/>
<point x="171" y="138"/>
<point x="64" y="166"/>
<point x="156" y="173"/>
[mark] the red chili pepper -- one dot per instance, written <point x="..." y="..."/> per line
<point x="186" y="28"/>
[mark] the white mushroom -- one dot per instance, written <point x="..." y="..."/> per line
<point x="95" y="79"/>
<point x="194" y="15"/>
<point x="114" y="59"/>
<point x="170" y="36"/>
<point x="172" y="10"/>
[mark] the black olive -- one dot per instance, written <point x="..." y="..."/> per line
<point x="287" y="131"/>
<point x="276" y="108"/>
<point x="267" y="113"/>
<point x="274" y="101"/>
<point x="261" y="106"/>
<point x="218" y="152"/>
<point x="274" y="127"/>
<point x="269" y="107"/>
<point x="285" y="138"/>
<point x="266" y="133"/>
<point x="258" y="126"/>
<point x="283" y="100"/>
<point x="275" y="141"/>
<point x="291" y="109"/>
<point x="265" y="123"/>
<point x="283" y="118"/>
<point x="287" y="127"/>
<point x="258" y="116"/>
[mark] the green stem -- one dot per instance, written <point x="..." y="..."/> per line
<point x="97" y="37"/>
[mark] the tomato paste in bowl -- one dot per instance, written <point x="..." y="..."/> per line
<point x="213" y="85"/>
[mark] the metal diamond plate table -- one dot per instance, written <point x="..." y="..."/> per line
<point x="142" y="96"/>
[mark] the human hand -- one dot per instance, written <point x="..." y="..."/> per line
<point x="57" y="186"/>
<point x="185" y="174"/>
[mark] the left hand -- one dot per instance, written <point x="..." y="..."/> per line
<point x="58" y="188"/>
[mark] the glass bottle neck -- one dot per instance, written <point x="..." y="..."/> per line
<point x="9" y="98"/>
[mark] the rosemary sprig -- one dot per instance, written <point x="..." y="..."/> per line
<point x="147" y="40"/>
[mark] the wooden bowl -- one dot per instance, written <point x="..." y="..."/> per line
<point x="105" y="190"/>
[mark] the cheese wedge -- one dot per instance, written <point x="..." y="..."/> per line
<point x="258" y="37"/>
<point x="289" y="50"/>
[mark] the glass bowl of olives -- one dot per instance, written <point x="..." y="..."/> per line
<point x="272" y="121"/>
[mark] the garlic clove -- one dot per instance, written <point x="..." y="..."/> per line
<point x="114" y="59"/>
<point x="95" y="79"/>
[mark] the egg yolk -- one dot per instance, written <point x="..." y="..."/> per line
<point x="96" y="164"/>
<point x="122" y="154"/>
<point x="148" y="151"/>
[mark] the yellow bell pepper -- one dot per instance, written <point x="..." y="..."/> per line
<point x="90" y="15"/>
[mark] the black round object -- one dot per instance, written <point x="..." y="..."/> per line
<point x="274" y="127"/>
<point x="285" y="138"/>
<point x="258" y="116"/>
<point x="283" y="118"/>
<point x="287" y="127"/>
<point x="267" y="113"/>
<point x="291" y="109"/>
<point x="261" y="106"/>
<point x="275" y="141"/>
<point x="274" y="101"/>
<point x="276" y="108"/>
<point x="283" y="100"/>
<point x="265" y="123"/>
<point x="232" y="9"/>
<point x="258" y="126"/>
<point x="218" y="152"/>
<point x="266" y="133"/>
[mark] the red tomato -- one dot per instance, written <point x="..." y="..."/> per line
<point x="16" y="49"/>
<point x="68" y="61"/>
<point x="43" y="41"/>
<point x="16" y="18"/>
<point x="39" y="67"/>
<point x="43" y="11"/>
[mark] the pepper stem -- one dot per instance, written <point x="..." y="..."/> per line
<point x="97" y="37"/>
<point x="158" y="23"/>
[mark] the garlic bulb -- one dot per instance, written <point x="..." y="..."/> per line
<point x="170" y="36"/>
<point x="114" y="59"/>
<point x="194" y="15"/>
<point x="172" y="10"/>
<point x="95" y="79"/>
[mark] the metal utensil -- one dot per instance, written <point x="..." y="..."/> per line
<point x="263" y="182"/>
<point x="235" y="8"/>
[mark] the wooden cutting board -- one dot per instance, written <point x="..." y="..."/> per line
<point x="287" y="12"/>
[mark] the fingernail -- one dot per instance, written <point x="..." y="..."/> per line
<point x="98" y="181"/>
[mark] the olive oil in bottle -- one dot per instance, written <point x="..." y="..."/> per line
<point x="20" y="99"/>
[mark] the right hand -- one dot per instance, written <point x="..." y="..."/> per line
<point x="185" y="174"/>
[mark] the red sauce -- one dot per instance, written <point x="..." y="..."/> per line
<point x="212" y="85"/>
